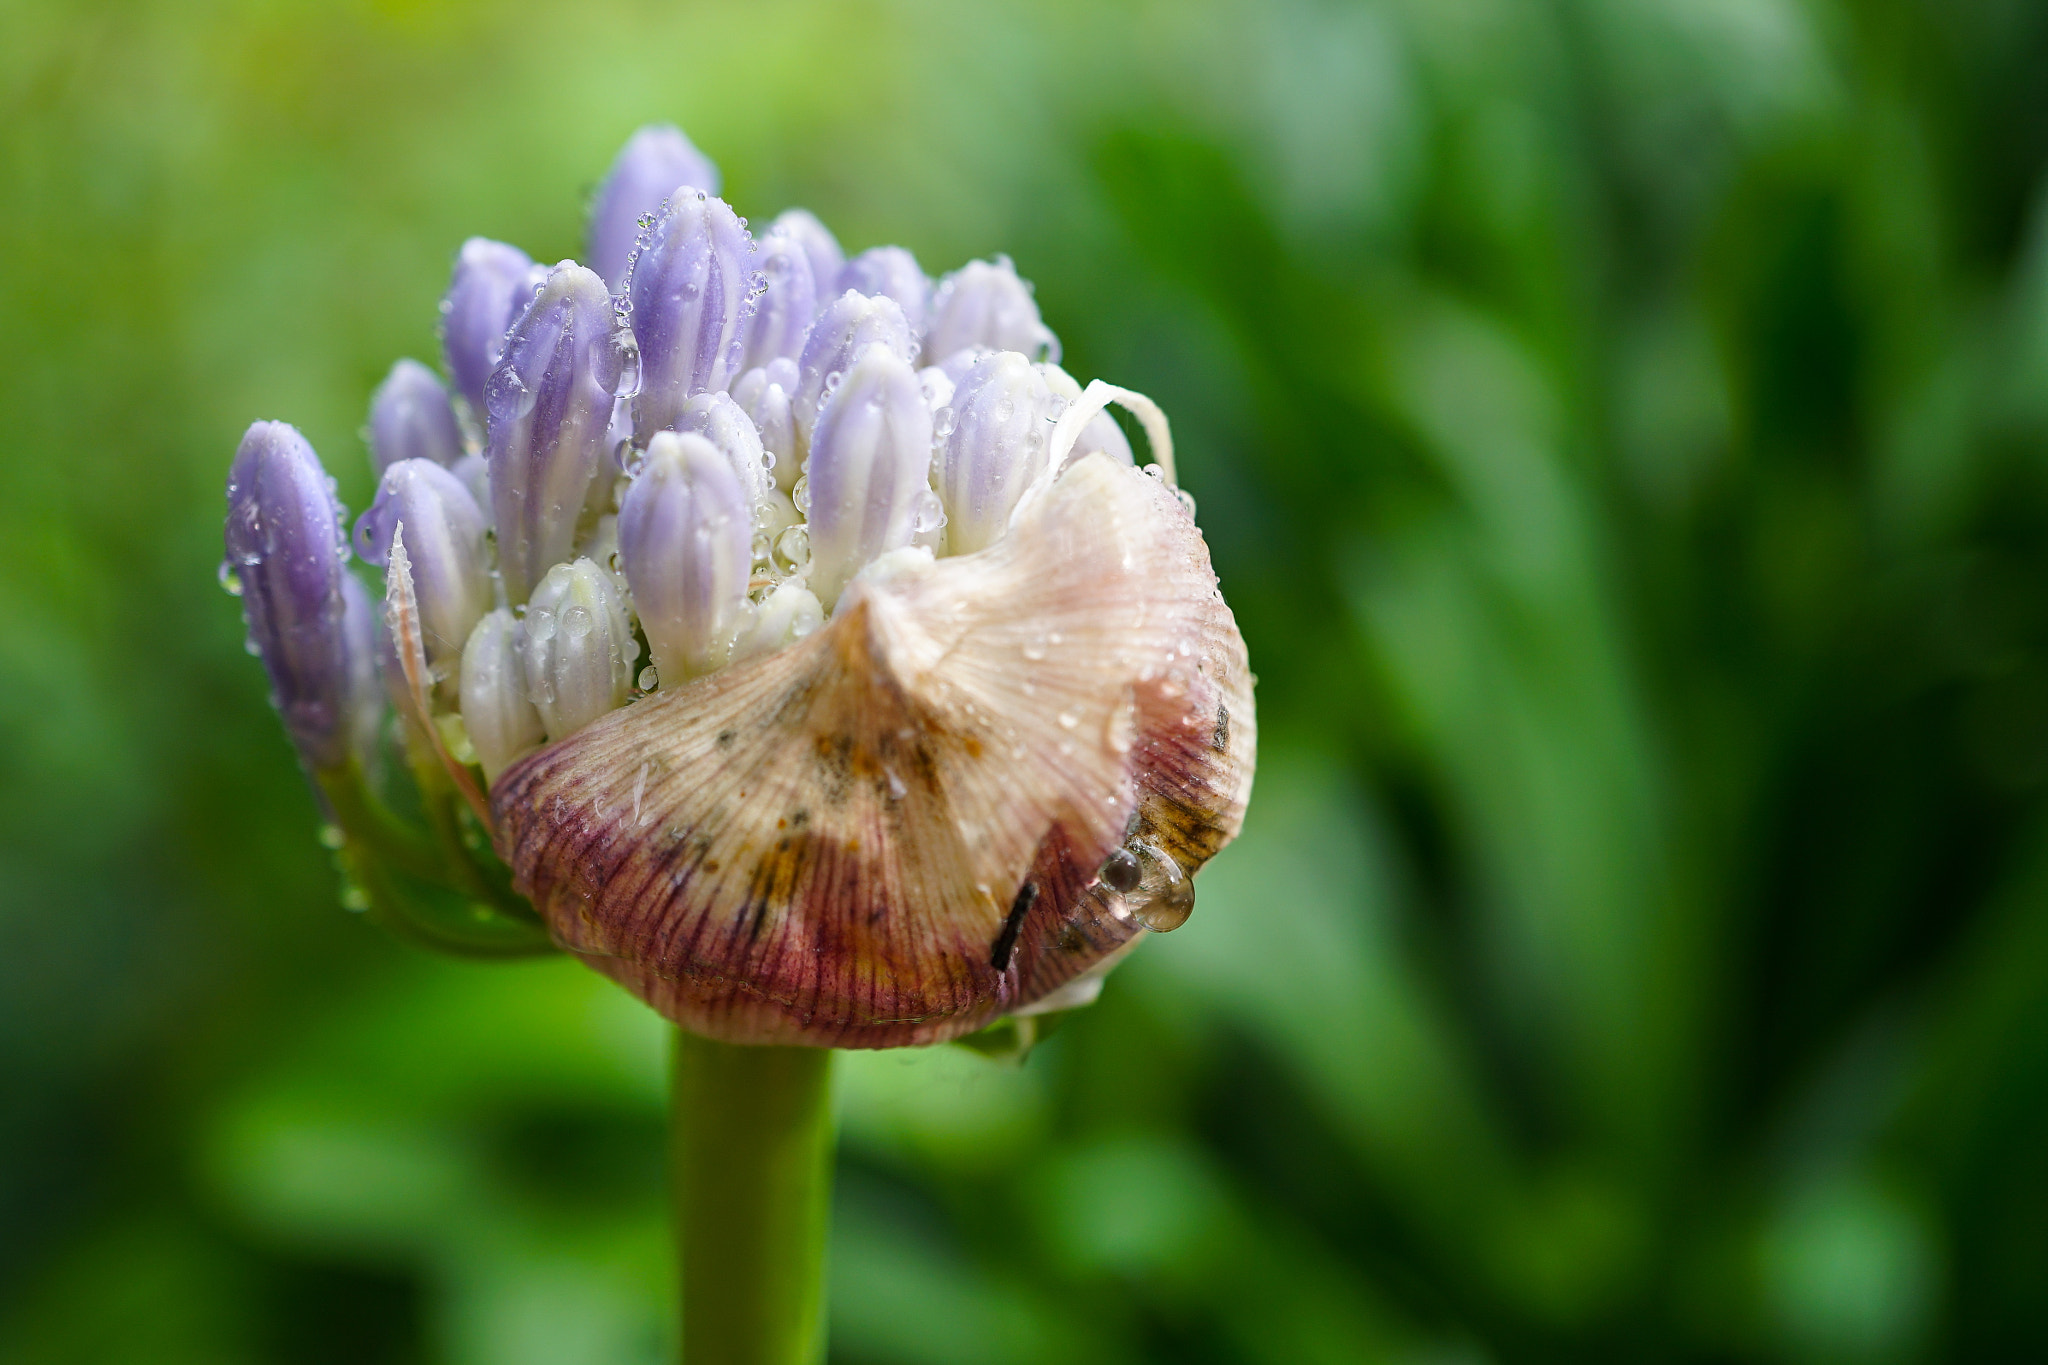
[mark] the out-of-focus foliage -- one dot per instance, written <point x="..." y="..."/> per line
<point x="1622" y="429"/>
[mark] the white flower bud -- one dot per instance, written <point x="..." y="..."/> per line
<point x="501" y="721"/>
<point x="685" y="536"/>
<point x="892" y="272"/>
<point x="983" y="303"/>
<point x="719" y="419"/>
<point x="849" y="325"/>
<point x="1001" y="417"/>
<point x="786" y="616"/>
<point x="577" y="647"/>
<point x="765" y="396"/>
<point x="868" y="469"/>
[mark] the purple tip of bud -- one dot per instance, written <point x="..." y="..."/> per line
<point x="692" y="293"/>
<point x="868" y="473"/>
<point x="444" y="538"/>
<point x="550" y="404"/>
<point x="412" y="419"/>
<point x="849" y="325"/>
<point x="490" y="286"/>
<point x="685" y="539"/>
<point x="647" y="171"/>
<point x="893" y="272"/>
<point x="984" y="304"/>
<point x="1001" y="417"/>
<point x="286" y="557"/>
<point x="818" y="243"/>
<point x="787" y="303"/>
<point x="764" y="395"/>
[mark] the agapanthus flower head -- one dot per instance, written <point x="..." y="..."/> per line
<point x="941" y="708"/>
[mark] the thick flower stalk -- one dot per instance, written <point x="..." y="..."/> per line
<point x="783" y="633"/>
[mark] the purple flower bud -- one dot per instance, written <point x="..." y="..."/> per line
<point x="984" y="304"/>
<point x="764" y="395"/>
<point x="849" y="325"/>
<point x="691" y="294"/>
<point x="286" y="556"/>
<point x="867" y="477"/>
<point x="647" y="171"/>
<point x="475" y="474"/>
<point x="892" y="272"/>
<point x="685" y="537"/>
<point x="719" y="419"/>
<point x="1001" y="416"/>
<point x="550" y="402"/>
<point x="411" y="419"/>
<point x="784" y="309"/>
<point x="819" y="244"/>
<point x="444" y="538"/>
<point x="1101" y="432"/>
<point x="491" y="285"/>
<point x="577" y="647"/>
<point x="496" y="711"/>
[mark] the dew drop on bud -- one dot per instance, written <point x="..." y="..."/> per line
<point x="793" y="550"/>
<point x="1121" y="872"/>
<point x="648" y="678"/>
<point x="230" y="581"/>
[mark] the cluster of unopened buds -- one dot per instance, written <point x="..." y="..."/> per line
<point x="789" y="637"/>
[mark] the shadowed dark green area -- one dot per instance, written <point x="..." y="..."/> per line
<point x="1622" y="430"/>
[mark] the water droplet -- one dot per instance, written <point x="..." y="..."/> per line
<point x="540" y="625"/>
<point x="897" y="791"/>
<point x="648" y="678"/>
<point x="629" y="366"/>
<point x="1163" y="898"/>
<point x="942" y="423"/>
<point x="793" y="550"/>
<point x="230" y="581"/>
<point x="331" y="836"/>
<point x="832" y="382"/>
<point x="801" y="494"/>
<point x="577" y="623"/>
<point x="1068" y="720"/>
<point x="1187" y="500"/>
<point x="353" y="898"/>
<point x="763" y="548"/>
<point x="1121" y="871"/>
<point x="929" y="514"/>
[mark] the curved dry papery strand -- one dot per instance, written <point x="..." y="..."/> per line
<point x="891" y="831"/>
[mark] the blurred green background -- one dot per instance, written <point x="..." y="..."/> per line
<point x="1622" y="430"/>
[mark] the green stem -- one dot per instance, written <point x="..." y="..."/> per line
<point x="751" y="1160"/>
